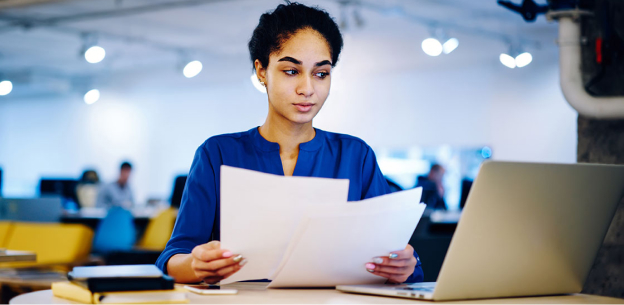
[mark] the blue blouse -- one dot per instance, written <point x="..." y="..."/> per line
<point x="328" y="155"/>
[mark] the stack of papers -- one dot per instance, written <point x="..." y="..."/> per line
<point x="302" y="232"/>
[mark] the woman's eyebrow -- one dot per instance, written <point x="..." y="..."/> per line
<point x="297" y="62"/>
<point x="322" y="63"/>
<point x="292" y="60"/>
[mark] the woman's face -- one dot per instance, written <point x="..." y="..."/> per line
<point x="298" y="77"/>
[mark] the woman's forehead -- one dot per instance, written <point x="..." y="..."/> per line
<point x="307" y="46"/>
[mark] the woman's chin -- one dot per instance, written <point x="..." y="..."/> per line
<point x="302" y="118"/>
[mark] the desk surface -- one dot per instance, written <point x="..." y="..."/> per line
<point x="100" y="213"/>
<point x="257" y="293"/>
<point x="17" y="256"/>
<point x="33" y="279"/>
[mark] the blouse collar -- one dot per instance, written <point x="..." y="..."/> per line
<point x="265" y="145"/>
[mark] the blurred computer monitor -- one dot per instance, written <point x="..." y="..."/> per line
<point x="465" y="190"/>
<point x="178" y="190"/>
<point x="48" y="209"/>
<point x="63" y="187"/>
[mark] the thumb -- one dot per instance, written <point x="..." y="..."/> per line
<point x="213" y="245"/>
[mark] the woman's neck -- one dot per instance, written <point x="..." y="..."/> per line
<point x="286" y="133"/>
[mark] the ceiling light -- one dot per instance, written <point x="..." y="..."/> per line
<point x="507" y="60"/>
<point x="256" y="83"/>
<point x="450" y="45"/>
<point x="95" y="54"/>
<point x="192" y="69"/>
<point x="432" y="47"/>
<point x="6" y="87"/>
<point x="92" y="96"/>
<point x="523" y="59"/>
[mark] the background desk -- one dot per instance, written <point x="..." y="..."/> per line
<point x="14" y="283"/>
<point x="256" y="293"/>
<point x="17" y="256"/>
<point x="92" y="216"/>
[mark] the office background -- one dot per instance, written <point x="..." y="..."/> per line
<point x="385" y="89"/>
<point x="409" y="106"/>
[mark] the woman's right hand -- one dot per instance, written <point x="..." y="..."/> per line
<point x="213" y="264"/>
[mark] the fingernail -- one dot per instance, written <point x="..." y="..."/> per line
<point x="369" y="270"/>
<point x="377" y="260"/>
<point x="238" y="258"/>
<point x="243" y="263"/>
<point x="370" y="266"/>
<point x="227" y="254"/>
<point x="393" y="255"/>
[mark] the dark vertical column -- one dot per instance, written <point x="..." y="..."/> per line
<point x="601" y="141"/>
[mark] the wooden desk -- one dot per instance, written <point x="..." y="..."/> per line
<point x="17" y="256"/>
<point x="17" y="282"/>
<point x="256" y="293"/>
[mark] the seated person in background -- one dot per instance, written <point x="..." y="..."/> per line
<point x="117" y="193"/>
<point x="87" y="188"/>
<point x="433" y="190"/>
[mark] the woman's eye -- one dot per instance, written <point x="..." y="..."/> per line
<point x="290" y="72"/>
<point x="322" y="74"/>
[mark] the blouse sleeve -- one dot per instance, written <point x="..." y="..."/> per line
<point x="196" y="216"/>
<point x="374" y="184"/>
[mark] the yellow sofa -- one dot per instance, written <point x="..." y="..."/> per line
<point x="54" y="243"/>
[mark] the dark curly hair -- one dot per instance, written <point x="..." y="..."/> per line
<point x="277" y="26"/>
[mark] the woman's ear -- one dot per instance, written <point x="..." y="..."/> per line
<point x="260" y="71"/>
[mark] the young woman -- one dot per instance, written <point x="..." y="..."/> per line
<point x="293" y="50"/>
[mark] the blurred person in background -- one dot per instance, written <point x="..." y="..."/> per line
<point x="117" y="193"/>
<point x="87" y="188"/>
<point x="433" y="190"/>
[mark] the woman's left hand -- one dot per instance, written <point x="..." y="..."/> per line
<point x="396" y="267"/>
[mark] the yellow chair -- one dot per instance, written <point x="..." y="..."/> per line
<point x="5" y="231"/>
<point x="54" y="244"/>
<point x="158" y="231"/>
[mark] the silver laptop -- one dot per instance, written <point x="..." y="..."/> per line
<point x="527" y="229"/>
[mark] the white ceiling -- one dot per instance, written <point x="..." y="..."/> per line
<point x="217" y="32"/>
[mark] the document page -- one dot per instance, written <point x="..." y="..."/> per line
<point x="327" y="251"/>
<point x="259" y="213"/>
<point x="330" y="251"/>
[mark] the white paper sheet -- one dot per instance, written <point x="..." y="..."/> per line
<point x="333" y="250"/>
<point x="259" y="213"/>
<point x="392" y="201"/>
<point x="398" y="200"/>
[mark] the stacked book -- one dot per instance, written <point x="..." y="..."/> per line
<point x="128" y="284"/>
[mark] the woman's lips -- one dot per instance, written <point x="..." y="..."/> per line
<point x="304" y="107"/>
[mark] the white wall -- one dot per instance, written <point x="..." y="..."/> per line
<point x="157" y="122"/>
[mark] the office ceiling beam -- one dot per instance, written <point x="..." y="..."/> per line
<point x="6" y="4"/>
<point x="31" y="22"/>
